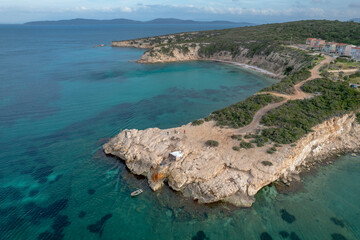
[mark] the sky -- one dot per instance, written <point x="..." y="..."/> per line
<point x="259" y="11"/>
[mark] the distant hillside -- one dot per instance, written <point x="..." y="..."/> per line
<point x="355" y="20"/>
<point x="81" y="21"/>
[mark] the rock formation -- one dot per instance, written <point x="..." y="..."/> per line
<point x="210" y="174"/>
<point x="165" y="49"/>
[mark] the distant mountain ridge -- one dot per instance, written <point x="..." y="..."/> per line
<point x="355" y="20"/>
<point x="83" y="21"/>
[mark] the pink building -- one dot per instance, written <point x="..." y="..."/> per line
<point x="347" y="51"/>
<point x="310" y="41"/>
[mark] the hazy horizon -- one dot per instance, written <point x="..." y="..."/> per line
<point x="263" y="11"/>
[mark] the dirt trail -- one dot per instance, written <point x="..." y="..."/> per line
<point x="298" y="94"/>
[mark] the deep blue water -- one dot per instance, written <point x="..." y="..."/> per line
<point x="61" y="99"/>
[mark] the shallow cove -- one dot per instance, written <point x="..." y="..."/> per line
<point x="60" y="101"/>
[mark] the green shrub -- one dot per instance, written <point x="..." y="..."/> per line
<point x="291" y="121"/>
<point x="286" y="85"/>
<point x="236" y="148"/>
<point x="266" y="163"/>
<point x="358" y="117"/>
<point x="259" y="140"/>
<point x="270" y="151"/>
<point x="207" y="118"/>
<point x="237" y="137"/>
<point x="246" y="145"/>
<point x="197" y="122"/>
<point x="249" y="135"/>
<point x="212" y="143"/>
<point x="242" y="113"/>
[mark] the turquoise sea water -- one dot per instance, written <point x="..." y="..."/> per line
<point x="60" y="100"/>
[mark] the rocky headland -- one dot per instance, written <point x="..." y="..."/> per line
<point x="210" y="174"/>
<point x="212" y="167"/>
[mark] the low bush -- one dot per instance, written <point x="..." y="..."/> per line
<point x="236" y="148"/>
<point x="237" y="137"/>
<point x="259" y="140"/>
<point x="266" y="163"/>
<point x="197" y="122"/>
<point x="358" y="117"/>
<point x="212" y="143"/>
<point x="246" y="145"/>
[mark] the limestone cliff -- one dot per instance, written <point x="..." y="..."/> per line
<point x="165" y="49"/>
<point x="211" y="174"/>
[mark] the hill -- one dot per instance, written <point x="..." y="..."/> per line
<point x="82" y="21"/>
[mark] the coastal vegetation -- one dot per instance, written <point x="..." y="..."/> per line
<point x="212" y="143"/>
<point x="197" y="122"/>
<point x="294" y="119"/>
<point x="246" y="145"/>
<point x="236" y="148"/>
<point x="237" y="137"/>
<point x="266" y="163"/>
<point x="286" y="85"/>
<point x="242" y="113"/>
<point x="258" y="140"/>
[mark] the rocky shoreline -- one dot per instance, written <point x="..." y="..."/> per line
<point x="211" y="174"/>
<point x="273" y="64"/>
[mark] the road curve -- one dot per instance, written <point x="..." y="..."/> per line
<point x="298" y="94"/>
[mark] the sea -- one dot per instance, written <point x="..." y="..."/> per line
<point x="61" y="99"/>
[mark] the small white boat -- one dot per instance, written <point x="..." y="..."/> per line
<point x="137" y="192"/>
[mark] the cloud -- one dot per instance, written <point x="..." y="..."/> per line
<point x="320" y="1"/>
<point x="354" y="5"/>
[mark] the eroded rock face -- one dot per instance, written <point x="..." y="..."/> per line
<point x="155" y="55"/>
<point x="158" y="51"/>
<point x="211" y="174"/>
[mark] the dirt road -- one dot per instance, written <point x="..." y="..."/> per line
<point x="298" y="94"/>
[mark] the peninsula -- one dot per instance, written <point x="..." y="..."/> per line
<point x="234" y="152"/>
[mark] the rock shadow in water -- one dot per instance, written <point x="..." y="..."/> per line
<point x="42" y="173"/>
<point x="36" y="213"/>
<point x="200" y="235"/>
<point x="287" y="217"/>
<point x="265" y="236"/>
<point x="284" y="234"/>
<point x="11" y="193"/>
<point x="98" y="227"/>
<point x="293" y="236"/>
<point x="337" y="236"/>
<point x="337" y="222"/>
<point x="33" y="193"/>
<point x="81" y="214"/>
<point x="91" y="191"/>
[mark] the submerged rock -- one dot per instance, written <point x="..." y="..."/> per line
<point x="98" y="227"/>
<point x="286" y="216"/>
